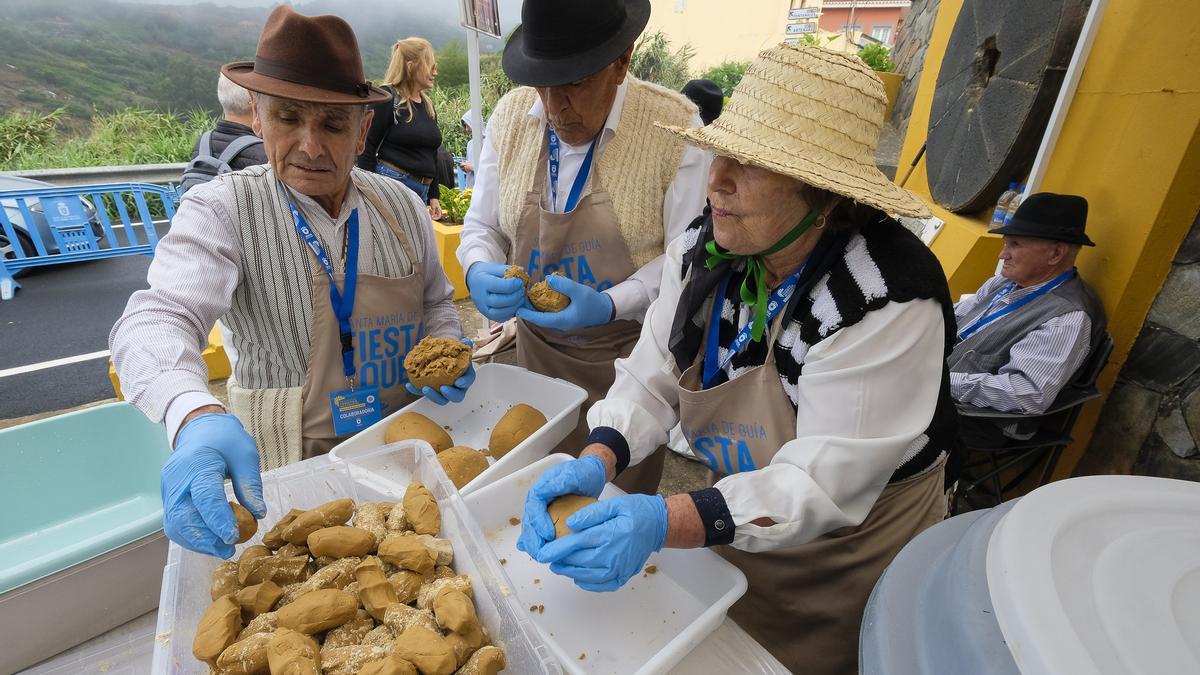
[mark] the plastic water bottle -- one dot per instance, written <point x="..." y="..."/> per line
<point x="1014" y="204"/>
<point x="1002" y="205"/>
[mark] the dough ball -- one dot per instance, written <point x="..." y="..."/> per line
<point x="401" y="617"/>
<point x="263" y="623"/>
<point x="517" y="424"/>
<point x="341" y="541"/>
<point x="488" y="660"/>
<point x="436" y="362"/>
<point x="218" y="628"/>
<point x="392" y="665"/>
<point x="427" y="650"/>
<point x="353" y="632"/>
<point x="294" y="653"/>
<point x="258" y="599"/>
<point x="318" y="611"/>
<point x="564" y="507"/>
<point x="349" y="660"/>
<point x="408" y="552"/>
<point x="375" y="593"/>
<point x="372" y="517"/>
<point x="246" y="523"/>
<point x="329" y="514"/>
<point x="462" y="464"/>
<point x="455" y="611"/>
<point x="546" y="299"/>
<point x="421" y="509"/>
<point x="224" y="580"/>
<point x="273" y="539"/>
<point x="411" y="425"/>
<point x="245" y="657"/>
<point x="406" y="584"/>
<point x="517" y="272"/>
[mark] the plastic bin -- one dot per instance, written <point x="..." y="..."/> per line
<point x="497" y="388"/>
<point x="81" y="544"/>
<point x="370" y="476"/>
<point x="645" y="628"/>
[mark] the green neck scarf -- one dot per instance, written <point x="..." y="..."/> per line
<point x="754" y="286"/>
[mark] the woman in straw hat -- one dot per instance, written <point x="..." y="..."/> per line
<point x="800" y="340"/>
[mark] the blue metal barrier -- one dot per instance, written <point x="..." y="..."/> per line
<point x="56" y="225"/>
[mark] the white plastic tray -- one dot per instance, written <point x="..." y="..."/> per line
<point x="185" y="589"/>
<point x="644" y="628"/>
<point x="497" y="388"/>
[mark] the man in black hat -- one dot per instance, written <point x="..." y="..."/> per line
<point x="1027" y="330"/>
<point x="578" y="185"/>
<point x="707" y="96"/>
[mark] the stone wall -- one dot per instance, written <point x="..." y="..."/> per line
<point x="909" y="55"/>
<point x="1151" y="422"/>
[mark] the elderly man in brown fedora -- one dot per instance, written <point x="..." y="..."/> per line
<point x="323" y="277"/>
<point x="577" y="185"/>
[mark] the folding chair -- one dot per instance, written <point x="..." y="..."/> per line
<point x="988" y="473"/>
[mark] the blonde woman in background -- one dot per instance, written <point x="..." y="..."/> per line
<point x="404" y="137"/>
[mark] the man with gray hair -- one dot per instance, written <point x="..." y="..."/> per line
<point x="231" y="145"/>
<point x="324" y="277"/>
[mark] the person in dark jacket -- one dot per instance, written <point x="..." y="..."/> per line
<point x="236" y="120"/>
<point x="404" y="137"/>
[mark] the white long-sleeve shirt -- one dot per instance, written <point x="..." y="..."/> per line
<point x="866" y="394"/>
<point x="482" y="240"/>
<point x="156" y="344"/>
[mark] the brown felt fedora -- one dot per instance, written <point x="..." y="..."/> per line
<point x="306" y="58"/>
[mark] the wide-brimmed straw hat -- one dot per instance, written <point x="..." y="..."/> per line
<point x="306" y="58"/>
<point x="812" y="114"/>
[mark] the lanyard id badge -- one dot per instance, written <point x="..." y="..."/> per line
<point x="580" y="178"/>
<point x="712" y="361"/>
<point x="354" y="408"/>
<point x="988" y="316"/>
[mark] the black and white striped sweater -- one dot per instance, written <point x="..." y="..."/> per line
<point x="851" y="273"/>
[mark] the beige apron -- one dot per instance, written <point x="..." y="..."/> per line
<point x="804" y="604"/>
<point x="387" y="322"/>
<point x="584" y="245"/>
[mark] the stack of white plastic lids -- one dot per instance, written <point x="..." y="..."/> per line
<point x="1100" y="575"/>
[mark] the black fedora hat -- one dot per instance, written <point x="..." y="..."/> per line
<point x="1046" y="215"/>
<point x="564" y="41"/>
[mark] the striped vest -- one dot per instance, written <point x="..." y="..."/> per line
<point x="271" y="313"/>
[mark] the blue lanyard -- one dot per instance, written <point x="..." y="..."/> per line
<point x="987" y="316"/>
<point x="580" y="178"/>
<point x="343" y="303"/>
<point x="712" y="363"/>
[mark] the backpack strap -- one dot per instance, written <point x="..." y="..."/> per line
<point x="235" y="148"/>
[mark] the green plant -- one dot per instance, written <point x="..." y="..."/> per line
<point x="455" y="203"/>
<point x="26" y="132"/>
<point x="812" y="40"/>
<point x="727" y="75"/>
<point x="877" y="57"/>
<point x="653" y="61"/>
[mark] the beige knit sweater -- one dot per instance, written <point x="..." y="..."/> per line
<point x="636" y="166"/>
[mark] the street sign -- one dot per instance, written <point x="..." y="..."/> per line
<point x="801" y="28"/>
<point x="481" y="15"/>
<point x="804" y="13"/>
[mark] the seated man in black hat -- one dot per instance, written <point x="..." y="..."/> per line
<point x="1027" y="330"/>
<point x="578" y="184"/>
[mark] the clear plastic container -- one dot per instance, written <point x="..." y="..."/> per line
<point x="497" y="388"/>
<point x="372" y="476"/>
<point x="645" y="628"/>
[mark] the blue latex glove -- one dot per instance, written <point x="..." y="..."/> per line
<point x="196" y="514"/>
<point x="588" y="307"/>
<point x="448" y="393"/>
<point x="584" y="476"/>
<point x="496" y="297"/>
<point x="611" y="542"/>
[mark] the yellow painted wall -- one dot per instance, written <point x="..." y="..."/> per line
<point x="1130" y="144"/>
<point x="722" y="30"/>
